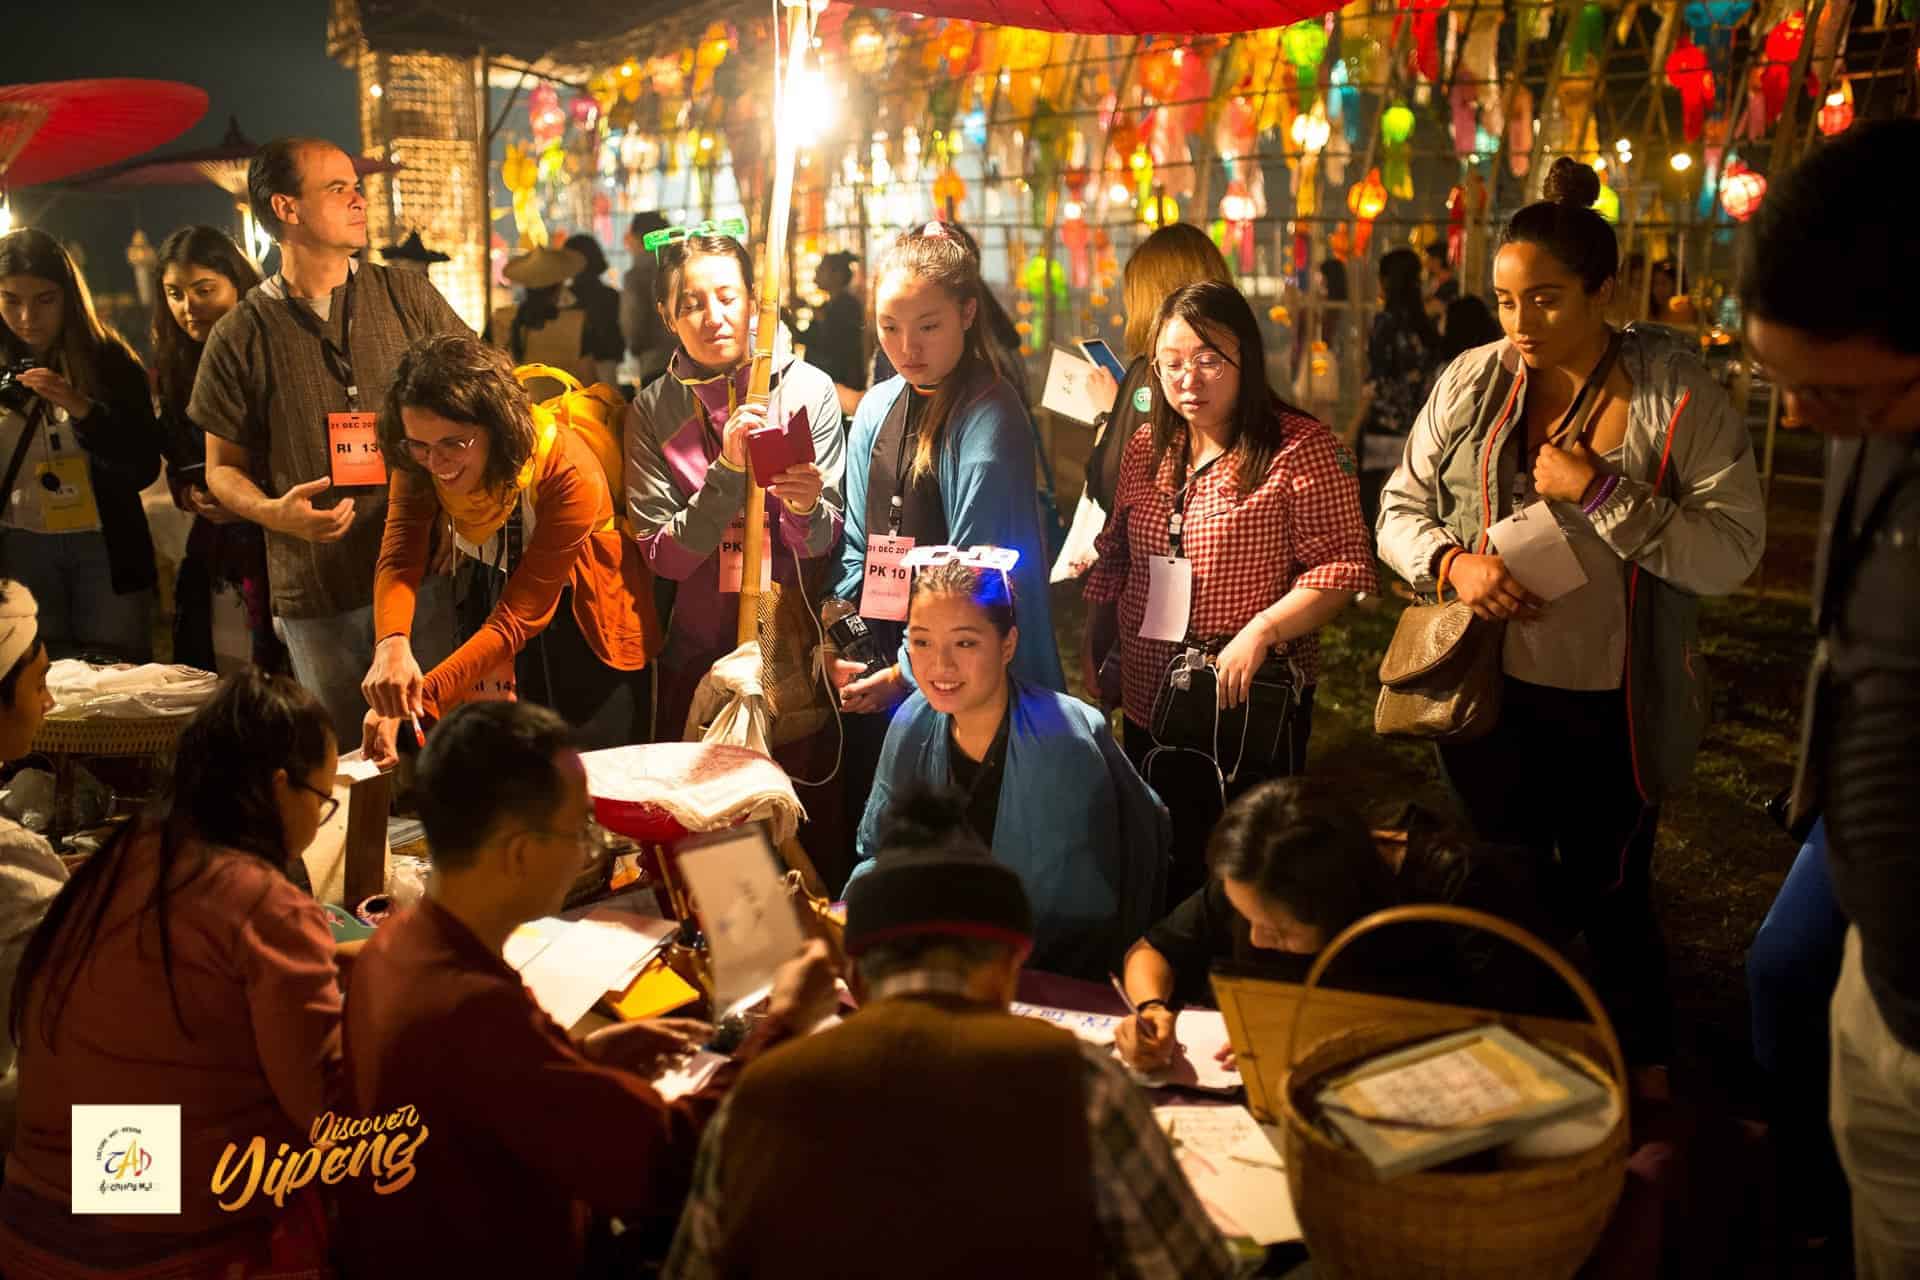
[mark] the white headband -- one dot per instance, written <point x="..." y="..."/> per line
<point x="19" y="624"/>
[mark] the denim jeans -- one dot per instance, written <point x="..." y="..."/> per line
<point x="331" y="655"/>
<point x="80" y="613"/>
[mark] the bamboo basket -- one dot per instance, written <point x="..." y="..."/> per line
<point x="1536" y="1223"/>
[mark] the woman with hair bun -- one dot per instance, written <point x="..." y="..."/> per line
<point x="1647" y="471"/>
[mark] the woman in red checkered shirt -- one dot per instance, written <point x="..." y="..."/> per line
<point x="1236" y="529"/>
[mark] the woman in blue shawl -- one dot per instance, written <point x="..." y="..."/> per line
<point x="1047" y="787"/>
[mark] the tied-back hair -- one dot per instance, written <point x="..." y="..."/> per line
<point x="86" y="342"/>
<point x="941" y="254"/>
<point x="220" y="796"/>
<point x="1295" y="841"/>
<point x="1401" y="296"/>
<point x="468" y="381"/>
<point x="988" y="589"/>
<point x="1208" y="308"/>
<point x="673" y="269"/>
<point x="176" y="357"/>
<point x="1565" y="225"/>
<point x="1175" y="255"/>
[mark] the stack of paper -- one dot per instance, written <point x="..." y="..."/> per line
<point x="1234" y="1169"/>
<point x="1202" y="1034"/>
<point x="1097" y="1028"/>
<point x="568" y="965"/>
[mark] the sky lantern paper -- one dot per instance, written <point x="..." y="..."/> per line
<point x="1688" y="72"/>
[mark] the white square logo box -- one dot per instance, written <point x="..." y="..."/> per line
<point x="126" y="1159"/>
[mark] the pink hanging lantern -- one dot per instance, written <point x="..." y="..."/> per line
<point x="1741" y="192"/>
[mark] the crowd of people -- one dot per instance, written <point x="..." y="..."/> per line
<point x="420" y="540"/>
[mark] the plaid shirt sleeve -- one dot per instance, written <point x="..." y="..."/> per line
<point x="1330" y="546"/>
<point x="694" y="1242"/>
<point x="1152" y="1226"/>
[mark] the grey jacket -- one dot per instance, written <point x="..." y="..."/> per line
<point x="1687" y="516"/>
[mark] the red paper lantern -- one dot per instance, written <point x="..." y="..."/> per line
<point x="1741" y="192"/>
<point x="1688" y="72"/>
<point x="1836" y="113"/>
<point x="1782" y="50"/>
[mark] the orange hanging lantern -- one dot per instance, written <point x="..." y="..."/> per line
<point x="1741" y="192"/>
<point x="1367" y="200"/>
<point x="949" y="191"/>
<point x="866" y="43"/>
<point x="1836" y="113"/>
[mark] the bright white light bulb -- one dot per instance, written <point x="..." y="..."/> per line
<point x="1681" y="162"/>
<point x="809" y="106"/>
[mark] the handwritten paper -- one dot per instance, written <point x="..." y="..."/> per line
<point x="1537" y="552"/>
<point x="750" y="924"/>
<point x="1235" y="1170"/>
<point x="1066" y="389"/>
<point x="1078" y="554"/>
<point x="582" y="960"/>
<point x="1095" y="1028"/>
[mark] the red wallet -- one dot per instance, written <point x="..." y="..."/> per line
<point x="774" y="447"/>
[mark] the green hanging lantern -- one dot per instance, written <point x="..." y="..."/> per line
<point x="1396" y="127"/>
<point x="1587" y="39"/>
<point x="1305" y="44"/>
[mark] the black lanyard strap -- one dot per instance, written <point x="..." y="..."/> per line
<point x="1177" y="518"/>
<point x="338" y="357"/>
<point x="909" y="432"/>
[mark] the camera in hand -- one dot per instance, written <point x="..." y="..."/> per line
<point x="849" y="634"/>
<point x="16" y="395"/>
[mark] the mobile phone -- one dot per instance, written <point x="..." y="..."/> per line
<point x="777" y="446"/>
<point x="1096" y="350"/>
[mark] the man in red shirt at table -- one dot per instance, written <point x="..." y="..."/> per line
<point x="527" y="1132"/>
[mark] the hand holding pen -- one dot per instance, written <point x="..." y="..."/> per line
<point x="1146" y="1039"/>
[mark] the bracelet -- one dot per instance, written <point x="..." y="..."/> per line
<point x="808" y="510"/>
<point x="1141" y="1006"/>
<point x="1446" y="567"/>
<point x="1600" y="498"/>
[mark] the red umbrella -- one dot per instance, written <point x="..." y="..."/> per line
<point x="1131" y="17"/>
<point x="51" y="130"/>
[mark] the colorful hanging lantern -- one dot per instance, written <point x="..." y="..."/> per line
<point x="668" y="74"/>
<point x="949" y="193"/>
<point x="544" y="114"/>
<point x="1782" y="48"/>
<point x="1588" y="38"/>
<point x="585" y="111"/>
<point x="1305" y="44"/>
<point x="1396" y="127"/>
<point x="1836" y="113"/>
<point x="1607" y="203"/>
<point x="866" y="43"/>
<point x="1688" y="72"/>
<point x="1237" y="211"/>
<point x="1311" y="130"/>
<point x="1366" y="200"/>
<point x="1741" y="192"/>
<point x="1426" y="35"/>
<point x="1035" y="279"/>
<point x="1519" y="129"/>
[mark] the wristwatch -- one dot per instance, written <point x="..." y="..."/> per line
<point x="1141" y="1006"/>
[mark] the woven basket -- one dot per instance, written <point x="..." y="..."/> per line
<point x="109" y="735"/>
<point x="1536" y="1223"/>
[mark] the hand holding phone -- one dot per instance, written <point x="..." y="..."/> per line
<point x="777" y="446"/>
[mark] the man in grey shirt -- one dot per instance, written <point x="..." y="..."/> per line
<point x="287" y="392"/>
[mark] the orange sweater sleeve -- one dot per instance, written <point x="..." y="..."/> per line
<point x="565" y="514"/>
<point x="412" y="508"/>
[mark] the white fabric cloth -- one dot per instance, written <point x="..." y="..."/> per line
<point x="701" y="785"/>
<point x="84" y="691"/>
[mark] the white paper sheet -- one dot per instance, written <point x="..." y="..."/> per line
<point x="687" y="1075"/>
<point x="1234" y="1169"/>
<point x="1077" y="555"/>
<point x="1095" y="1028"/>
<point x="355" y="767"/>
<point x="750" y="923"/>
<point x="1066" y="387"/>
<point x="584" y="959"/>
<point x="1537" y="552"/>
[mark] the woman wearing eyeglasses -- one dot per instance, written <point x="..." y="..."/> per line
<point x="553" y="604"/>
<point x="180" y="966"/>
<point x="1647" y="474"/>
<point x="1236" y="531"/>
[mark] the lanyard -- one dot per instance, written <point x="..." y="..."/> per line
<point x="1176" y="518"/>
<point x="896" y="505"/>
<point x="338" y="357"/>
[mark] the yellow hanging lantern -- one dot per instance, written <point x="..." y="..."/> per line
<point x="866" y="44"/>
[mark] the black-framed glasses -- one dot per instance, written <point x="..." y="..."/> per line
<point x="329" y="804"/>
<point x="453" y="448"/>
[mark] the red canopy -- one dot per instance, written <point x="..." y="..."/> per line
<point x="1131" y="17"/>
<point x="50" y="130"/>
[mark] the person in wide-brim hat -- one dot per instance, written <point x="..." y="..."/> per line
<point x="544" y="266"/>
<point x="413" y="249"/>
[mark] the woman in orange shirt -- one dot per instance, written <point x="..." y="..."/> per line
<point x="556" y="606"/>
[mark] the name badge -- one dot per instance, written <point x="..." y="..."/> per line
<point x="353" y="449"/>
<point x="66" y="495"/>
<point x="494" y="685"/>
<point x="733" y="557"/>
<point x="1169" y="598"/>
<point x="888" y="581"/>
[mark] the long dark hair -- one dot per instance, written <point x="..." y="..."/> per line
<point x="1212" y="305"/>
<point x="989" y="590"/>
<point x="220" y="795"/>
<point x="1401" y="297"/>
<point x="1469" y="324"/>
<point x="942" y="254"/>
<point x="464" y="380"/>
<point x="84" y="338"/>
<point x="1297" y="842"/>
<point x="176" y="357"/>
